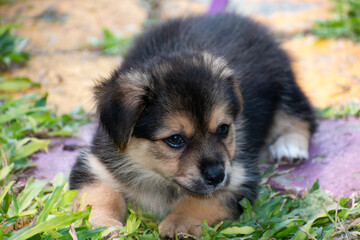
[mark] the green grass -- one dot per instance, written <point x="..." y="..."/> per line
<point x="111" y="43"/>
<point x="11" y="48"/>
<point x="3" y="2"/>
<point x="345" y="22"/>
<point x="351" y="108"/>
<point x="36" y="209"/>
<point x="26" y="123"/>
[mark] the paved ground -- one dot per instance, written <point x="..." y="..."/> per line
<point x="327" y="70"/>
<point x="334" y="160"/>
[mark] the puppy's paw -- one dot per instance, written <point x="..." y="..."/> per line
<point x="105" y="221"/>
<point x="178" y="224"/>
<point x="290" y="148"/>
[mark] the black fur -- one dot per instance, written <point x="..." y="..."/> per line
<point x="260" y="70"/>
<point x="80" y="172"/>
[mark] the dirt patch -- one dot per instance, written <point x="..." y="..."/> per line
<point x="69" y="77"/>
<point x="327" y="70"/>
<point x="59" y="33"/>
<point x="66" y="25"/>
<point x="182" y="8"/>
<point x="285" y="16"/>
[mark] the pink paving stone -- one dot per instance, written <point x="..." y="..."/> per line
<point x="334" y="158"/>
<point x="217" y="6"/>
<point x="58" y="159"/>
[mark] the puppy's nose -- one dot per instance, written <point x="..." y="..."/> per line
<point x="214" y="174"/>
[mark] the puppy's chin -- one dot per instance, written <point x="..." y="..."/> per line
<point x="200" y="187"/>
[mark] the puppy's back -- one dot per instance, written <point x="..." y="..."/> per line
<point x="226" y="35"/>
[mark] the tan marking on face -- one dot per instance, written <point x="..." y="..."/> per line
<point x="176" y="123"/>
<point x="230" y="143"/>
<point x="158" y="157"/>
<point x="146" y="153"/>
<point x="108" y="205"/>
<point x="218" y="116"/>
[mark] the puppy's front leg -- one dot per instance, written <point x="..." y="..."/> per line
<point x="108" y="205"/>
<point x="189" y="214"/>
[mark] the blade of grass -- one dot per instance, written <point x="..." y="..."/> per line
<point x="301" y="235"/>
<point x="16" y="84"/>
<point x="5" y="190"/>
<point x="5" y="171"/>
<point x="53" y="223"/>
<point x="50" y="203"/>
<point x="67" y="198"/>
<point x="31" y="190"/>
<point x="18" y="113"/>
<point x="238" y="230"/>
<point x="28" y="146"/>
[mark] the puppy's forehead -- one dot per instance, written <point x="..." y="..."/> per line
<point x="217" y="65"/>
<point x="188" y="124"/>
<point x="174" y="123"/>
<point x="219" y="115"/>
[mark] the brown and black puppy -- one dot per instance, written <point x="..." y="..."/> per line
<point x="183" y="120"/>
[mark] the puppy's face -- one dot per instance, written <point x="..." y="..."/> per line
<point x="176" y="117"/>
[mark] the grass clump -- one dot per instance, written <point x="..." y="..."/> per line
<point x="26" y="121"/>
<point x="278" y="215"/>
<point x="11" y="48"/>
<point x="345" y="22"/>
<point x="349" y="109"/>
<point x="34" y="209"/>
<point x="111" y="43"/>
<point x="16" y="84"/>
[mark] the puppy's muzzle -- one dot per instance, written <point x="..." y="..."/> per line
<point x="213" y="172"/>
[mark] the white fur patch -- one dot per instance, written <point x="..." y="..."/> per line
<point x="151" y="194"/>
<point x="290" y="147"/>
<point x="288" y="140"/>
<point x="100" y="171"/>
<point x="238" y="176"/>
<point x="218" y="65"/>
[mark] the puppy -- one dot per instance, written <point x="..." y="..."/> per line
<point x="184" y="119"/>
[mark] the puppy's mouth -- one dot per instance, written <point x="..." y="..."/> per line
<point x="201" y="187"/>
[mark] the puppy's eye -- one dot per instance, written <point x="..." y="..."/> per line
<point x="223" y="130"/>
<point x="175" y="141"/>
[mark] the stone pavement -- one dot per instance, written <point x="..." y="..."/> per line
<point x="62" y="154"/>
<point x="334" y="160"/>
<point x="327" y="70"/>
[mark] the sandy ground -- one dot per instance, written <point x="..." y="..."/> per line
<point x="60" y="58"/>
<point x="327" y="70"/>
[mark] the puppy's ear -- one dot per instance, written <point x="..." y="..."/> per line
<point x="120" y="101"/>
